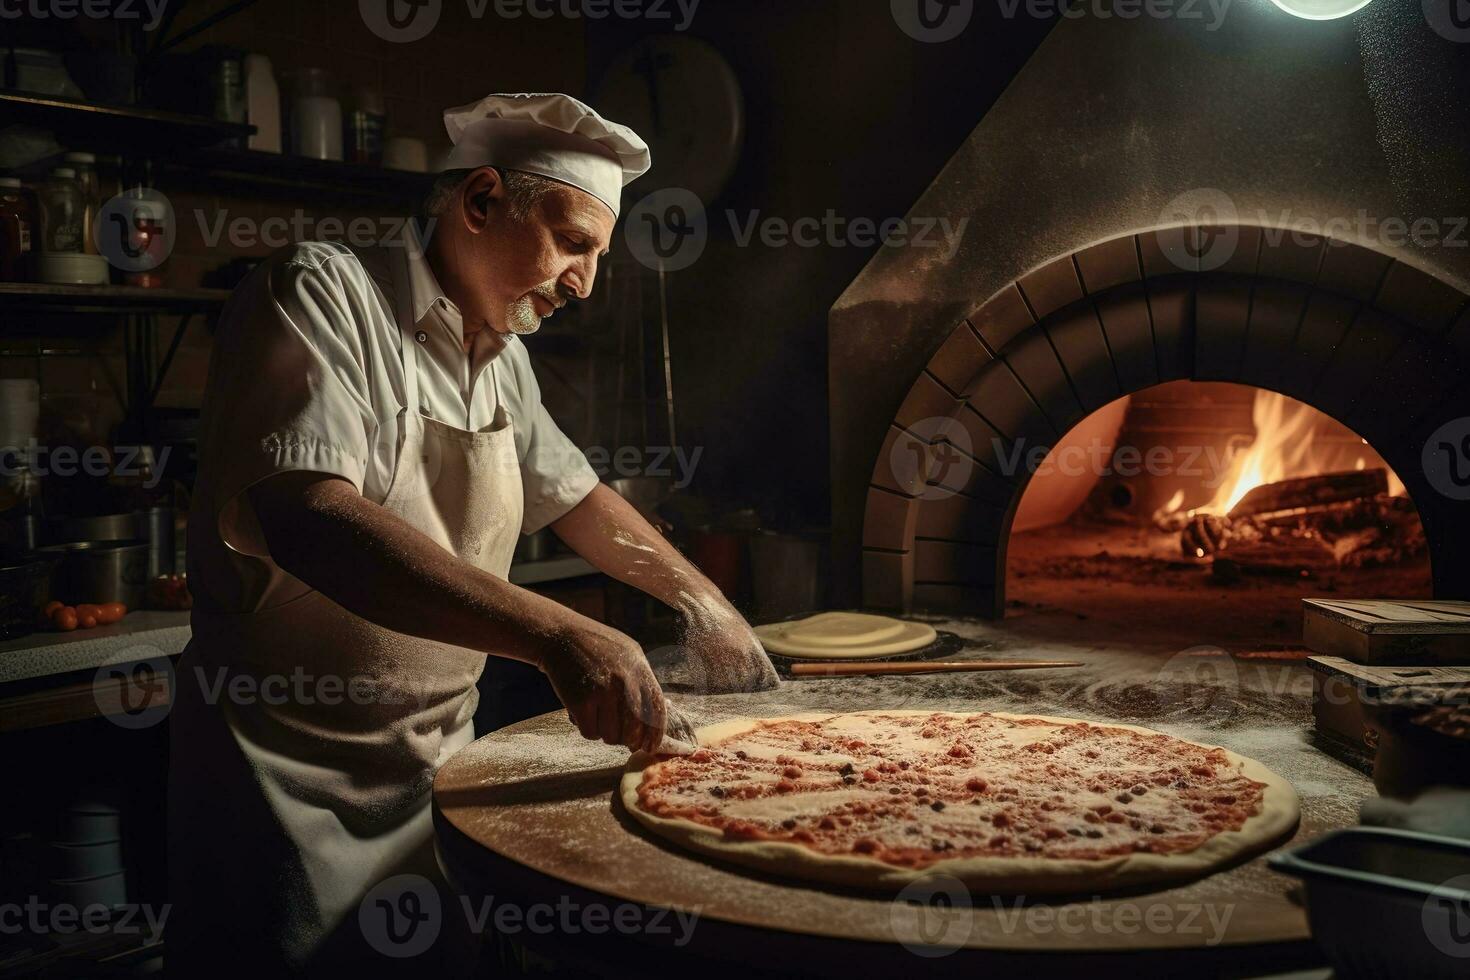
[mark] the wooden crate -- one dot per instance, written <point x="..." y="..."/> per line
<point x="1345" y="695"/>
<point x="1388" y="631"/>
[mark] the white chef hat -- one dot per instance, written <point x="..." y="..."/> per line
<point x="551" y="135"/>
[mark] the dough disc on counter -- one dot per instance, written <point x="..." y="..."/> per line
<point x="844" y="636"/>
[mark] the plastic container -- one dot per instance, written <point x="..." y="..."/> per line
<point x="63" y="213"/>
<point x="316" y="115"/>
<point x="17" y="226"/>
<point x="109" y="890"/>
<point x="1387" y="903"/>
<point x="88" y="823"/>
<point x="69" y="862"/>
<point x="262" y="104"/>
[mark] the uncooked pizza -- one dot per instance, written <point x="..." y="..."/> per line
<point x="1004" y="803"/>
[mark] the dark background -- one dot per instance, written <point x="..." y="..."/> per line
<point x="844" y="112"/>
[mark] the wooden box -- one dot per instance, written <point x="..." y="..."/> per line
<point x="1346" y="695"/>
<point x="1388" y="631"/>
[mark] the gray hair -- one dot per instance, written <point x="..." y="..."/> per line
<point x="522" y="192"/>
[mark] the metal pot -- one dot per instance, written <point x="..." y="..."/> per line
<point x="109" y="527"/>
<point x="154" y="525"/>
<point x="100" y="571"/>
<point x="536" y="547"/>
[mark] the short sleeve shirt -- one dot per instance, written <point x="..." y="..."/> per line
<point x="307" y="374"/>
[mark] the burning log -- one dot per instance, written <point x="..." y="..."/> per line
<point x="1310" y="492"/>
<point x="1307" y="525"/>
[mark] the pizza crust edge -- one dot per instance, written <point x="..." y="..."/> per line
<point x="1277" y="819"/>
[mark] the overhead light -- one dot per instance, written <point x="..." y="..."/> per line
<point x="1321" y="9"/>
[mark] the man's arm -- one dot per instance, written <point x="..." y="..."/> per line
<point x="374" y="564"/>
<point x="609" y="533"/>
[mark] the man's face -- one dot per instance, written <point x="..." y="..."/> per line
<point x="506" y="273"/>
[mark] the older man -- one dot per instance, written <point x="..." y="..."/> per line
<point x="374" y="445"/>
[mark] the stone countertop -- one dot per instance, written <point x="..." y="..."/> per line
<point x="138" y="636"/>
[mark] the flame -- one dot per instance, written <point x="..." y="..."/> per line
<point x="1288" y="444"/>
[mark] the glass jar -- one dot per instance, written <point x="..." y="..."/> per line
<point x="62" y="212"/>
<point x="16" y="223"/>
<point x="85" y="164"/>
<point x="365" y="125"/>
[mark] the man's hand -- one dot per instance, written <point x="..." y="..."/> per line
<point x="607" y="686"/>
<point x="724" y="654"/>
<point x="725" y="649"/>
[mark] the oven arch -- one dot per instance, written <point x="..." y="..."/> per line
<point x="1376" y="343"/>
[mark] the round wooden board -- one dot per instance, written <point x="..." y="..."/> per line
<point x="532" y="807"/>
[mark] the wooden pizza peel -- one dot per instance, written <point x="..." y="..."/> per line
<point x="528" y="814"/>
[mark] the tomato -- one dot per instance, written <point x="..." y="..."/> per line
<point x="85" y="609"/>
<point x="51" y="607"/>
<point x="65" y="619"/>
<point x="111" y="612"/>
<point x="87" y="622"/>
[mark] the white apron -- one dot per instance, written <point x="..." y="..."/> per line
<point x="293" y="807"/>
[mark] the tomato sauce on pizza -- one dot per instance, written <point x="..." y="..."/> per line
<point x="911" y="790"/>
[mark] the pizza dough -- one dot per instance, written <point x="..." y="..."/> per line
<point x="1020" y="768"/>
<point x="844" y="636"/>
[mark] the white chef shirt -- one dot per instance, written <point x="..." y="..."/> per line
<point x="307" y="374"/>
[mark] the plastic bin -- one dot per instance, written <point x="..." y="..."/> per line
<point x="1387" y="903"/>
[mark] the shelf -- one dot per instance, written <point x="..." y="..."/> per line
<point x="47" y="297"/>
<point x="258" y="170"/>
<point x="89" y="126"/>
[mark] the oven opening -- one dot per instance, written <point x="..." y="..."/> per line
<point x="1210" y="509"/>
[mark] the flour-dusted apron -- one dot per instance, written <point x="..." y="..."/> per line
<point x="298" y="801"/>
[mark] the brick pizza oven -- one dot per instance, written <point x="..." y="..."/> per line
<point x="1129" y="228"/>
